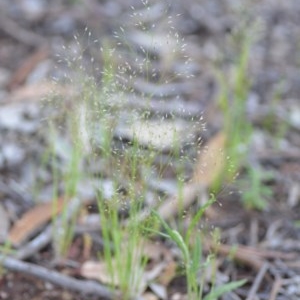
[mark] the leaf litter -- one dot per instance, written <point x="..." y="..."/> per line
<point x="25" y="139"/>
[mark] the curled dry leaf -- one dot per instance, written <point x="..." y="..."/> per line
<point x="149" y="296"/>
<point x="37" y="91"/>
<point x="98" y="271"/>
<point x="162" y="267"/>
<point x="159" y="290"/>
<point x="210" y="164"/>
<point x="156" y="251"/>
<point x="168" y="273"/>
<point x="32" y="221"/>
<point x="211" y="161"/>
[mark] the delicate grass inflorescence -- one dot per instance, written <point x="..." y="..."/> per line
<point x="124" y="132"/>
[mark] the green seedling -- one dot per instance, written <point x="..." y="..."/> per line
<point x="273" y="123"/>
<point x="191" y="250"/>
<point x="255" y="192"/>
<point x="5" y="250"/>
<point x="122" y="249"/>
<point x="297" y="224"/>
<point x="237" y="129"/>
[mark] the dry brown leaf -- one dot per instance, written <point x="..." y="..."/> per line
<point x="210" y="164"/>
<point x="179" y="296"/>
<point x="168" y="273"/>
<point x="32" y="220"/>
<point x="156" y="251"/>
<point x="170" y="207"/>
<point x="149" y="296"/>
<point x="38" y="91"/>
<point x="211" y="161"/>
<point x="98" y="271"/>
<point x="159" y="290"/>
<point x="162" y="266"/>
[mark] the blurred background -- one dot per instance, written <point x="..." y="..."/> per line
<point x="205" y="66"/>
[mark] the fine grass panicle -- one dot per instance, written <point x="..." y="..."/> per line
<point x="119" y="131"/>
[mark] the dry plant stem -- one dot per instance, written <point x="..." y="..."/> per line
<point x="15" y="192"/>
<point x="19" y="33"/>
<point x="250" y="256"/>
<point x="39" y="242"/>
<point x="258" y="280"/>
<point x="267" y="254"/>
<point x="85" y="287"/>
<point x="253" y="233"/>
<point x="247" y="258"/>
<point x="275" y="289"/>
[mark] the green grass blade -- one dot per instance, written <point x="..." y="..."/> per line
<point x="176" y="237"/>
<point x="197" y="217"/>
<point x="223" y="289"/>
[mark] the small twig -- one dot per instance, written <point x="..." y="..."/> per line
<point x="22" y="35"/>
<point x="246" y="257"/>
<point x="275" y="288"/>
<point x="257" y="281"/>
<point x="83" y="286"/>
<point x="39" y="242"/>
<point x="253" y="240"/>
<point x="14" y="191"/>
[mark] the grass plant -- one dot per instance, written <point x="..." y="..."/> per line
<point x="239" y="130"/>
<point x="190" y="245"/>
<point x="120" y="227"/>
<point x="95" y="115"/>
<point x="274" y="123"/>
<point x="256" y="193"/>
<point x="5" y="250"/>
